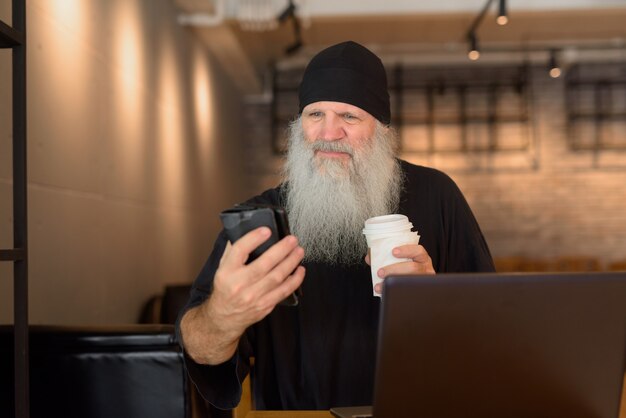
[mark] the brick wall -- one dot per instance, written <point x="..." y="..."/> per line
<point x="545" y="202"/>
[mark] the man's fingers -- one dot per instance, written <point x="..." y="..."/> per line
<point x="420" y="262"/>
<point x="405" y="267"/>
<point x="238" y="253"/>
<point x="274" y="256"/>
<point x="279" y="293"/>
<point x="244" y="284"/>
<point x="415" y="252"/>
<point x="280" y="272"/>
<point x="226" y="251"/>
<point x="379" y="287"/>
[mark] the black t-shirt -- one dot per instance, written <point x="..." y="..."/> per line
<point x="321" y="354"/>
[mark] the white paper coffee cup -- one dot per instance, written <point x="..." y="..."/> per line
<point x="383" y="234"/>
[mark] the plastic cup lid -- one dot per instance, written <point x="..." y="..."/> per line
<point x="386" y="221"/>
<point x="397" y="228"/>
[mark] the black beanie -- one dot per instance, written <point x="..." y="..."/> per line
<point x="347" y="73"/>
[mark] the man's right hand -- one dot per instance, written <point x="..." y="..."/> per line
<point x="243" y="294"/>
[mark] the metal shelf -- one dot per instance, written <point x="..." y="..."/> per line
<point x="594" y="104"/>
<point x="15" y="38"/>
<point x="9" y="37"/>
<point x="12" y="255"/>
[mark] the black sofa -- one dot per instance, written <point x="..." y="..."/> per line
<point x="100" y="372"/>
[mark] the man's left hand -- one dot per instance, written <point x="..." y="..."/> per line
<point x="419" y="263"/>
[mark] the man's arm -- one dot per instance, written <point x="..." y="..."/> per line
<point x="204" y="340"/>
<point x="242" y="295"/>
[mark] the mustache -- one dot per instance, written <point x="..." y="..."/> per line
<point x="326" y="146"/>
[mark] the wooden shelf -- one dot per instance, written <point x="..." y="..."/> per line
<point x="9" y="37"/>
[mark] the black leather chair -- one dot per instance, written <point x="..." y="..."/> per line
<point x="164" y="308"/>
<point x="174" y="299"/>
<point x="99" y="372"/>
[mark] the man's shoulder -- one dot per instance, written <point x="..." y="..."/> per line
<point x="421" y="174"/>
<point x="268" y="197"/>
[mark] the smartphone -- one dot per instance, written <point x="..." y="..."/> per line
<point x="241" y="219"/>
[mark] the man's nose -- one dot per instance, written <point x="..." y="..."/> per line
<point x="331" y="128"/>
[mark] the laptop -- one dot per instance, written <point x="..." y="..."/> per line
<point x="500" y="345"/>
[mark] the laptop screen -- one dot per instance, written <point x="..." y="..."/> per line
<point x="501" y="345"/>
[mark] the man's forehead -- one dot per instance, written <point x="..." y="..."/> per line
<point x="339" y="107"/>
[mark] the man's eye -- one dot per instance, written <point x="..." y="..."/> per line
<point x="315" y="115"/>
<point x="350" y="118"/>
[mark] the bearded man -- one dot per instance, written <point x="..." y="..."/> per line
<point x="341" y="169"/>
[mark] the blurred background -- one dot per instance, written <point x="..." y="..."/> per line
<point x="148" y="117"/>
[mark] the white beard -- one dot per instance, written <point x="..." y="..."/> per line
<point x="329" y="200"/>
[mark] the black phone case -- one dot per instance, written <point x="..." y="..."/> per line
<point x="242" y="219"/>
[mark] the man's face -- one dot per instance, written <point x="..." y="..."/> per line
<point x="340" y="169"/>
<point x="340" y="130"/>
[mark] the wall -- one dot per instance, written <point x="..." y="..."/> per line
<point x="131" y="127"/>
<point x="547" y="202"/>
<point x="571" y="204"/>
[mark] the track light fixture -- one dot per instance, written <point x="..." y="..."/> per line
<point x="297" y="33"/>
<point x="290" y="14"/>
<point x="502" y="18"/>
<point x="473" y="52"/>
<point x="553" y="65"/>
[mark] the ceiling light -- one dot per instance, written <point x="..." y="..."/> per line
<point x="502" y="18"/>
<point x="473" y="52"/>
<point x="553" y="65"/>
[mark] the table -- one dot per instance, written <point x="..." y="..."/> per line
<point x="326" y="414"/>
<point x="289" y="414"/>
